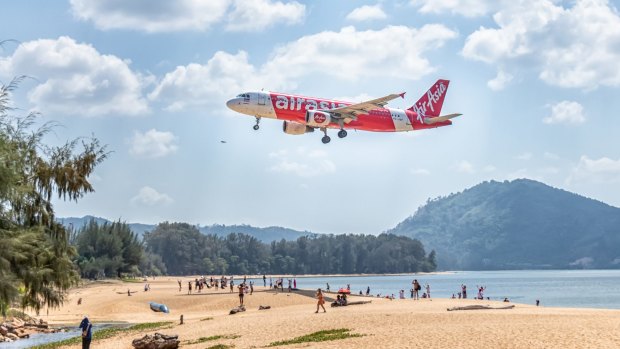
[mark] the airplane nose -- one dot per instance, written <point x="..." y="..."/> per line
<point x="230" y="104"/>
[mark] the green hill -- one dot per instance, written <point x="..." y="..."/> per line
<point x="520" y="224"/>
<point x="266" y="234"/>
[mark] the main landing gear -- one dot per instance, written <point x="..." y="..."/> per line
<point x="256" y="127"/>
<point x="325" y="138"/>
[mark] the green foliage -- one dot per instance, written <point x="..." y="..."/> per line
<point x="185" y="251"/>
<point x="221" y="346"/>
<point x="320" y="336"/>
<point x="108" y="250"/>
<point x="210" y="338"/>
<point x="106" y="333"/>
<point x="35" y="255"/>
<point x="522" y="224"/>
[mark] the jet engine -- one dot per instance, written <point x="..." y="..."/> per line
<point x="318" y="118"/>
<point x="295" y="128"/>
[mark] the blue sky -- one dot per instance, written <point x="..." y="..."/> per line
<point x="537" y="82"/>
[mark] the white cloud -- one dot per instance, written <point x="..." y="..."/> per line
<point x="350" y="53"/>
<point x="152" y="144"/>
<point x="227" y="75"/>
<point x="465" y="167"/>
<point x="550" y="156"/>
<point x="420" y="172"/>
<point x="346" y="54"/>
<point x="150" y="197"/>
<point x="156" y="16"/>
<point x="566" y="112"/>
<point x="574" y="47"/>
<point x="75" y="79"/>
<point x="603" y="170"/>
<point x="367" y="13"/>
<point x="151" y="15"/>
<point x="524" y="156"/>
<point x="468" y="8"/>
<point x="302" y="162"/>
<point x="500" y="81"/>
<point x="249" y="15"/>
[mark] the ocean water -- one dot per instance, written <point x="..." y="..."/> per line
<point x="554" y="288"/>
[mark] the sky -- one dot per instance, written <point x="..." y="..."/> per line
<point x="537" y="81"/>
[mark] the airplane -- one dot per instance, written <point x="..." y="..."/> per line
<point x="301" y="114"/>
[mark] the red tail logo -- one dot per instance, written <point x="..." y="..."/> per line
<point x="431" y="102"/>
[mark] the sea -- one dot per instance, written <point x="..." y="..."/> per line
<point x="552" y="288"/>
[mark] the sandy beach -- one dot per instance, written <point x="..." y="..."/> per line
<point x="383" y="323"/>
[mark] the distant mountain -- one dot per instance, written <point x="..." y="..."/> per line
<point x="267" y="234"/>
<point x="520" y="224"/>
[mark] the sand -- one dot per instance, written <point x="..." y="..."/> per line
<point x="383" y="323"/>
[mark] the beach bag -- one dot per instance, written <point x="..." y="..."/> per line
<point x="418" y="287"/>
<point x="85" y="332"/>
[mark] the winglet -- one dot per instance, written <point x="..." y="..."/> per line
<point x="402" y="95"/>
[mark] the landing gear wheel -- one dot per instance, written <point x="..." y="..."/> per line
<point x="256" y="127"/>
<point x="325" y="139"/>
<point x="342" y="134"/>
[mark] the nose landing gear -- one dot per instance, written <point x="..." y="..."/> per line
<point x="256" y="127"/>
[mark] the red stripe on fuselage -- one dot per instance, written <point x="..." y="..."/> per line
<point x="293" y="108"/>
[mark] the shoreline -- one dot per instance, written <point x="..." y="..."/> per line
<point x="206" y="315"/>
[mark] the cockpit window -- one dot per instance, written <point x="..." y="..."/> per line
<point x="244" y="95"/>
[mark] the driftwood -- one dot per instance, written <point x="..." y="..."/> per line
<point x="156" y="341"/>
<point x="479" y="307"/>
<point x="264" y="307"/>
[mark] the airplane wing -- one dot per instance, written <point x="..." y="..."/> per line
<point x="353" y="110"/>
<point x="437" y="119"/>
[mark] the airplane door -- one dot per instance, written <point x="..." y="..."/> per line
<point x="262" y="98"/>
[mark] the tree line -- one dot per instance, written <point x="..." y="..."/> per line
<point x="181" y="249"/>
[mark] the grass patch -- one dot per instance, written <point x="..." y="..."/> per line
<point x="211" y="338"/>
<point x="106" y="333"/>
<point x="320" y="336"/>
<point x="221" y="346"/>
<point x="206" y="319"/>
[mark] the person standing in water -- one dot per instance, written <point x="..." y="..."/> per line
<point x="320" y="301"/>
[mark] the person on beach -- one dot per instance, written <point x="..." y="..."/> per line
<point x="428" y="290"/>
<point x="264" y="280"/>
<point x="367" y="290"/>
<point x="179" y="281"/>
<point x="481" y="292"/>
<point x="232" y="284"/>
<point x="251" y="287"/>
<point x="295" y="283"/>
<point x="464" y="291"/>
<point x="320" y="301"/>
<point x="327" y="288"/>
<point x="411" y="290"/>
<point x="189" y="287"/>
<point x="401" y="294"/>
<point x="87" y="332"/>
<point x="416" y="289"/>
<point x="241" y="288"/>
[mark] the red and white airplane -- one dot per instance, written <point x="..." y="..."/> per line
<point x="305" y="114"/>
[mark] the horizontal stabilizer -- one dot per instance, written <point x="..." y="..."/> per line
<point x="430" y="121"/>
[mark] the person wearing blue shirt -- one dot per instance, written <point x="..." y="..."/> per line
<point x="87" y="332"/>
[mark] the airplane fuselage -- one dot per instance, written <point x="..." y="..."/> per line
<point x="294" y="108"/>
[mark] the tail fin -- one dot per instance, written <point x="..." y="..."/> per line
<point x="430" y="103"/>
